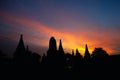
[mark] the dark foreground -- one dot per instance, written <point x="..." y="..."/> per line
<point x="45" y="71"/>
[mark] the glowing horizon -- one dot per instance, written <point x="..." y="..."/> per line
<point x="70" y="40"/>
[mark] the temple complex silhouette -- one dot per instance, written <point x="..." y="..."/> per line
<point x="55" y="61"/>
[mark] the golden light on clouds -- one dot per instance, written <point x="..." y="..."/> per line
<point x="39" y="34"/>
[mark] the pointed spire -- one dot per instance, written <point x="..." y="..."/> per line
<point x="20" y="47"/>
<point x="20" y="50"/>
<point x="78" y="57"/>
<point x="72" y="52"/>
<point x="86" y="49"/>
<point x="77" y="51"/>
<point x="87" y="54"/>
<point x="60" y="47"/>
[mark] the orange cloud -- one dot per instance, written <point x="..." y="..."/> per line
<point x="94" y="37"/>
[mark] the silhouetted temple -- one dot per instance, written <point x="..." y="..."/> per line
<point x="78" y="59"/>
<point x="56" y="61"/>
<point x="60" y="50"/>
<point x="55" y="56"/>
<point x="52" y="47"/>
<point x="87" y="54"/>
<point x="20" y="50"/>
<point x="24" y="55"/>
<point x="61" y="55"/>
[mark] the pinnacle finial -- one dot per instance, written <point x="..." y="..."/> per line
<point x="60" y="47"/>
<point x="21" y="35"/>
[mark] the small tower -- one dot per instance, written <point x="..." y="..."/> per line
<point x="87" y="54"/>
<point x="20" y="50"/>
<point x="60" y="50"/>
<point x="52" y="51"/>
<point x="21" y="46"/>
<point x="52" y="44"/>
<point x="78" y="54"/>
<point x="78" y="59"/>
<point x="72" y="52"/>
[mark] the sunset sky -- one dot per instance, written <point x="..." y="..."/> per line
<point x="76" y="22"/>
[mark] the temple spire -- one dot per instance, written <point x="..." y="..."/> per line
<point x="86" y="50"/>
<point x="52" y="48"/>
<point x="21" y="46"/>
<point x="72" y="52"/>
<point x="78" y="53"/>
<point x="60" y="50"/>
<point x="20" y="50"/>
<point x="87" y="54"/>
<point x="52" y="44"/>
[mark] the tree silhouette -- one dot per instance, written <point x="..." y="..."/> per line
<point x="99" y="55"/>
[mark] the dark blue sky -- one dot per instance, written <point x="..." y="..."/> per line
<point x="105" y="12"/>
